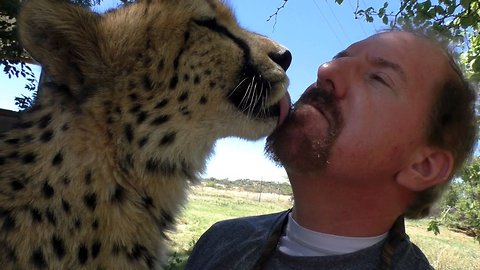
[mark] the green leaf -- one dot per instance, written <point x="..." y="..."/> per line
<point x="433" y="226"/>
<point x="424" y="7"/>
<point x="381" y="12"/>
<point x="465" y="3"/>
<point x="439" y="10"/>
<point x="451" y="9"/>
<point x="468" y="21"/>
<point x="401" y="21"/>
<point x="385" y="20"/>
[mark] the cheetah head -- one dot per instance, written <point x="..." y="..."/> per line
<point x="184" y="65"/>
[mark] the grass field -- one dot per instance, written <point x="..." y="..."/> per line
<point x="446" y="251"/>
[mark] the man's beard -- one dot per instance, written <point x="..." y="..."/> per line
<point x="317" y="150"/>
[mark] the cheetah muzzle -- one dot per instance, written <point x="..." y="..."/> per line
<point x="130" y="105"/>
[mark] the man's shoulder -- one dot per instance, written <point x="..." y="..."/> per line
<point x="260" y="222"/>
<point x="409" y="256"/>
<point x="236" y="243"/>
<point x="245" y="230"/>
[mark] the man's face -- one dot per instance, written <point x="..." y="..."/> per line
<point x="366" y="114"/>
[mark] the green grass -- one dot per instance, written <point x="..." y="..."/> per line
<point x="446" y="251"/>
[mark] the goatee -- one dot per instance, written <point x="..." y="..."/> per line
<point x="316" y="152"/>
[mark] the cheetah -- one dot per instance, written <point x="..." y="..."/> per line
<point x="129" y="109"/>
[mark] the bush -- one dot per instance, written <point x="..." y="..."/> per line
<point x="460" y="205"/>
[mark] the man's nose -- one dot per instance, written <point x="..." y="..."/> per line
<point x="329" y="78"/>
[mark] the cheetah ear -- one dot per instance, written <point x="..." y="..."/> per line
<point x="63" y="38"/>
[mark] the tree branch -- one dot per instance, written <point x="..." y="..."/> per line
<point x="274" y="15"/>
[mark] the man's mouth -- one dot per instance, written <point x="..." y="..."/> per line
<point x="321" y="100"/>
<point x="318" y="95"/>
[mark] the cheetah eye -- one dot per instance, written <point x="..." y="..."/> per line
<point x="207" y="22"/>
<point x="213" y="25"/>
<point x="204" y="18"/>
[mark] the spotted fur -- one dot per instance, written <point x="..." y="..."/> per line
<point x="129" y="108"/>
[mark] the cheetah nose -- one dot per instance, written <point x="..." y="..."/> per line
<point x="283" y="58"/>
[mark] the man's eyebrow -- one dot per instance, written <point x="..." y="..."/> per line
<point x="343" y="53"/>
<point x="384" y="63"/>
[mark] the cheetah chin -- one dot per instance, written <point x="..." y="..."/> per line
<point x="130" y="105"/>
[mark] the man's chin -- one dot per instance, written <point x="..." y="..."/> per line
<point x="270" y="151"/>
<point x="278" y="144"/>
<point x="291" y="147"/>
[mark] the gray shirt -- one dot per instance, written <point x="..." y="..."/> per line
<point x="250" y="243"/>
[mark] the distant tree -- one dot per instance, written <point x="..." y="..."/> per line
<point x="12" y="55"/>
<point x="461" y="205"/>
<point x="281" y="188"/>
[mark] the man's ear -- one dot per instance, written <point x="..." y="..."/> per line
<point x="429" y="167"/>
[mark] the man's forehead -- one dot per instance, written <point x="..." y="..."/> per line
<point x="394" y="39"/>
<point x="402" y="47"/>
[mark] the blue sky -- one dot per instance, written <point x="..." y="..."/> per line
<point x="313" y="30"/>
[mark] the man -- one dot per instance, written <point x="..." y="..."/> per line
<point x="377" y="137"/>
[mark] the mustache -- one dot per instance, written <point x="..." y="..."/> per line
<point x="325" y="101"/>
<point x="319" y="95"/>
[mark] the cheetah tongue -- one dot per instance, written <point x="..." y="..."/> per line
<point x="284" y="104"/>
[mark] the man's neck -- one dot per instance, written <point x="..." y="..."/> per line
<point x="334" y="208"/>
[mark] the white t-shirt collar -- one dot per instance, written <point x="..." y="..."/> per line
<point x="300" y="241"/>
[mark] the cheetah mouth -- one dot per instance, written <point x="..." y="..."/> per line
<point x="251" y="97"/>
<point x="284" y="106"/>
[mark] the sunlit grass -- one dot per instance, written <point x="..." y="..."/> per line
<point x="447" y="251"/>
<point x="207" y="206"/>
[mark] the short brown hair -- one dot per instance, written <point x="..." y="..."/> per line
<point x="452" y="127"/>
